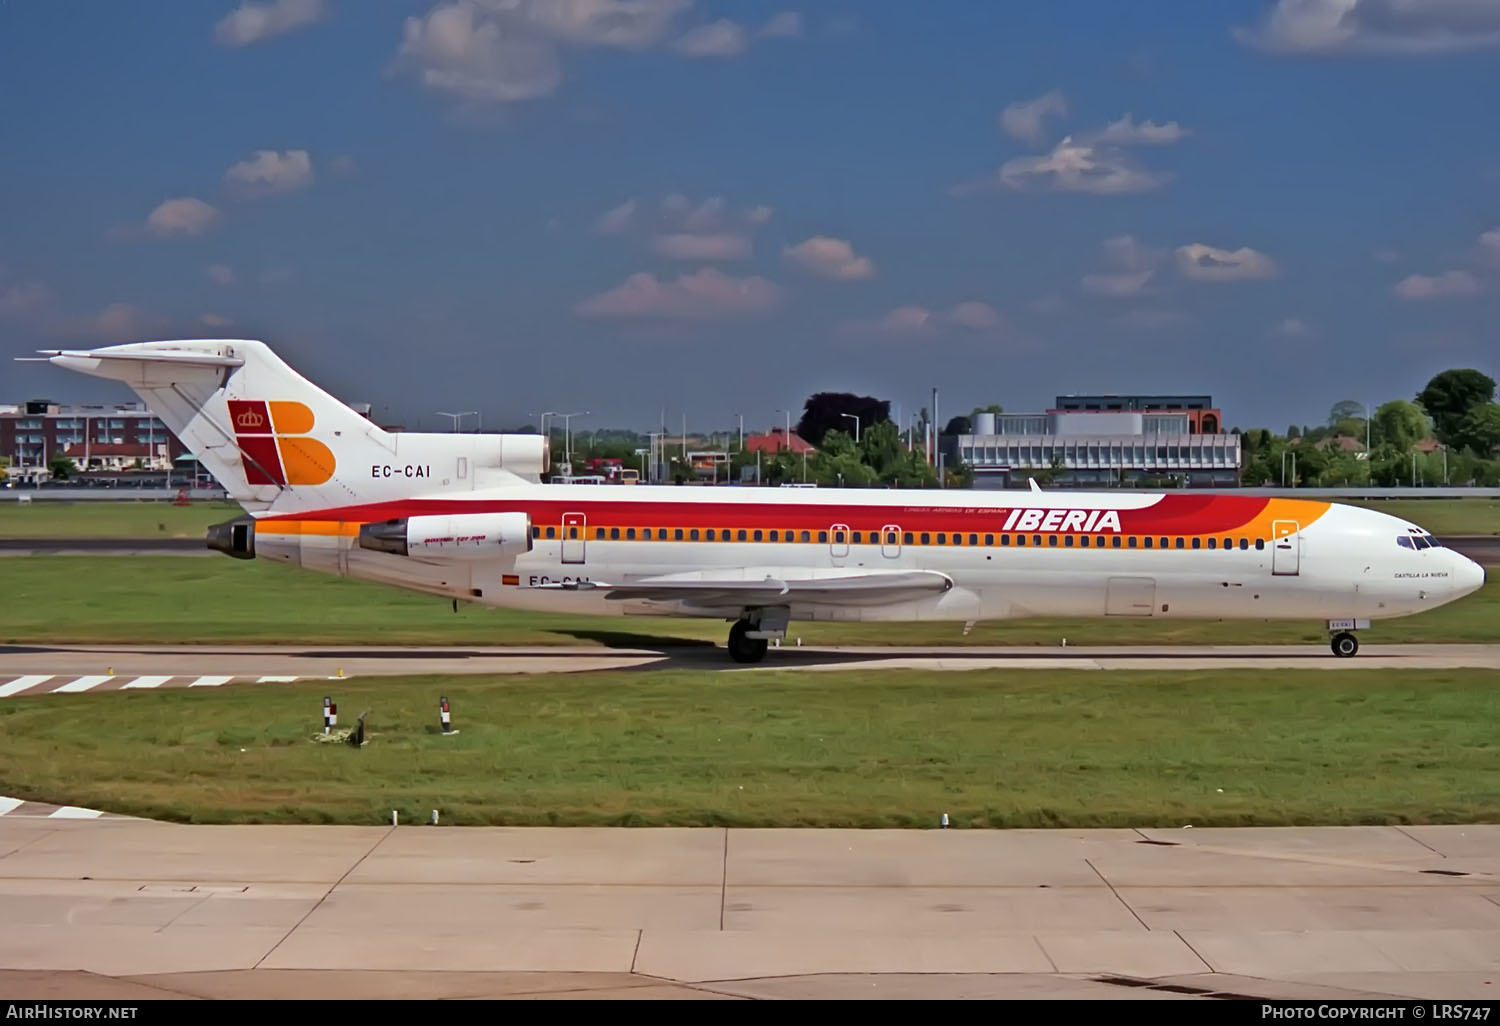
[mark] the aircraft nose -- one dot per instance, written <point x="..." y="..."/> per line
<point x="1469" y="576"/>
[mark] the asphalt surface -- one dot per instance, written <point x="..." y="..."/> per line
<point x="30" y="670"/>
<point x="111" y="908"/>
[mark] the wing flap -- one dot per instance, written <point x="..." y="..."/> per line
<point x="773" y="586"/>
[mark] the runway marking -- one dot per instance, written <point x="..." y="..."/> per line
<point x="210" y="682"/>
<point x="81" y="684"/>
<point x="22" y="683"/>
<point x="74" y="812"/>
<point x="275" y="680"/>
<point x="147" y="682"/>
<point x="9" y="805"/>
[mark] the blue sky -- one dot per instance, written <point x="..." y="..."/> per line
<point x="693" y="208"/>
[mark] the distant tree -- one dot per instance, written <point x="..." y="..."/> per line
<point x="62" y="467"/>
<point x="1294" y="432"/>
<point x="1479" y="431"/>
<point x="824" y="412"/>
<point x="957" y="426"/>
<point x="1346" y="409"/>
<point x="1398" y="424"/>
<point x="1450" y="396"/>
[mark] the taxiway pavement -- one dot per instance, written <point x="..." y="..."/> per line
<point x="72" y="669"/>
<point x="121" y="908"/>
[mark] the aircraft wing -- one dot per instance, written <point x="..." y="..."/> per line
<point x="773" y="586"/>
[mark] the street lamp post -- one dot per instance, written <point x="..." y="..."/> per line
<point x="458" y="416"/>
<point x="568" y="435"/>
<point x="856" y="425"/>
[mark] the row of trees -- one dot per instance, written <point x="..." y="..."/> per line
<point x="1456" y="410"/>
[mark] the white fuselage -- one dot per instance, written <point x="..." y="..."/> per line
<point x="1178" y="555"/>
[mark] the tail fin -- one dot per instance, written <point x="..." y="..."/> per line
<point x="278" y="443"/>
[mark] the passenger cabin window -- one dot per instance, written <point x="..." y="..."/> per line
<point x="742" y="535"/>
<point x="693" y="534"/>
<point x="630" y="533"/>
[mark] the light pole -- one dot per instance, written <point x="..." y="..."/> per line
<point x="856" y="425"/>
<point x="741" y="417"/>
<point x="568" y="435"/>
<point x="458" y="416"/>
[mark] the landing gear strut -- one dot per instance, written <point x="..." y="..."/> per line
<point x="743" y="649"/>
<point x="1345" y="644"/>
<point x="751" y="633"/>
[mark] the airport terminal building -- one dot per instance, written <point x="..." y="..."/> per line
<point x="1105" y="440"/>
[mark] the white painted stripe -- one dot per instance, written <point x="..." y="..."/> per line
<point x="21" y="684"/>
<point x="210" y="682"/>
<point x="9" y="804"/>
<point x="81" y="684"/>
<point x="275" y="680"/>
<point x="148" y="682"/>
<point x="73" y="812"/>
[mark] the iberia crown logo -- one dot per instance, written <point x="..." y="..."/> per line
<point x="274" y="444"/>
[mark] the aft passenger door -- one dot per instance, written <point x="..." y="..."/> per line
<point x="838" y="543"/>
<point x="574" y="530"/>
<point x="1286" y="547"/>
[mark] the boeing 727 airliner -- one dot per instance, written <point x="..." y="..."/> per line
<point x="467" y="517"/>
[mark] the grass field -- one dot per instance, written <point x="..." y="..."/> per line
<point x="135" y="520"/>
<point x="1444" y="517"/>
<point x="175" y="600"/>
<point x="103" y="519"/>
<point x="1065" y="749"/>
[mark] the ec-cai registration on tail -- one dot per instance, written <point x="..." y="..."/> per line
<point x="467" y="517"/>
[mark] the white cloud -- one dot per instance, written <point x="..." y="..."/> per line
<point x="612" y="222"/>
<point x="1450" y="283"/>
<point x="685" y="246"/>
<point x="1375" y="27"/>
<point x="912" y="321"/>
<point x="342" y="165"/>
<point x="624" y="24"/>
<point x="1153" y="319"/>
<point x="118" y="320"/>
<point x="787" y="23"/>
<point x="1206" y="263"/>
<point x="23" y="298"/>
<point x="1075" y="166"/>
<point x="1117" y="285"/>
<point x="976" y="315"/>
<point x="1293" y="327"/>
<point x="252" y="22"/>
<point x="705" y="293"/>
<point x="456" y="50"/>
<point x="1489" y="244"/>
<point x="1024" y="119"/>
<point x="1386" y="255"/>
<point x="1125" y="132"/>
<point x="722" y="38"/>
<point x="1134" y="265"/>
<point x="830" y="258"/>
<point x="269" y="172"/>
<point x="213" y="320"/>
<point x="185" y="215"/>
<point x="759" y="215"/>
<point x="220" y="274"/>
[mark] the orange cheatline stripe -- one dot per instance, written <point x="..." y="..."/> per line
<point x="329" y="528"/>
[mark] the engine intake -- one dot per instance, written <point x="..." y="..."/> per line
<point x="463" y="536"/>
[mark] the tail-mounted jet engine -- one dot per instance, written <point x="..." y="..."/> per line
<point x="464" y="536"/>
<point x="234" y="537"/>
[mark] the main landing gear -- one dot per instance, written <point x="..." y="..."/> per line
<point x="1343" y="642"/>
<point x="750" y="636"/>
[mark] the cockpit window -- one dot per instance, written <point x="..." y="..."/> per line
<point x="1418" y="541"/>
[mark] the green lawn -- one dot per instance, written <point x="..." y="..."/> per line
<point x="175" y="600"/>
<point x="897" y="749"/>
<point x="105" y="519"/>
<point x="1443" y="517"/>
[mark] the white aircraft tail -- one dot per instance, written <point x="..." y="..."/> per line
<point x="278" y="443"/>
